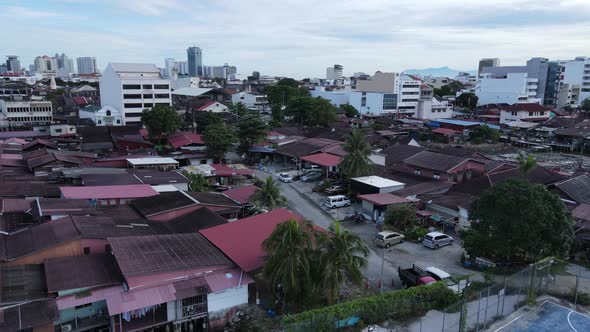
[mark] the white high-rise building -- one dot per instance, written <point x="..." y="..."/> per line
<point x="509" y="89"/>
<point x="334" y="73"/>
<point x="46" y="65"/>
<point x="409" y="93"/>
<point x="87" y="65"/>
<point x="181" y="67"/>
<point x="133" y="87"/>
<point x="574" y="82"/>
<point x="65" y="65"/>
<point x="377" y="95"/>
<point x="168" y="66"/>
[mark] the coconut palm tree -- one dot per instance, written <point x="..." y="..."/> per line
<point x="343" y="256"/>
<point x="288" y="262"/>
<point x="356" y="162"/>
<point x="269" y="195"/>
<point x="527" y="163"/>
<point x="197" y="182"/>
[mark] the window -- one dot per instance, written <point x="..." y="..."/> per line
<point x="161" y="86"/>
<point x="58" y="130"/>
<point x="99" y="121"/>
<point x="148" y="105"/>
<point x="108" y="113"/>
<point x="148" y="96"/>
<point x="86" y="250"/>
<point x="162" y="95"/>
<point x="132" y="105"/>
<point x="118" y="121"/>
<point x="147" y="86"/>
<point x="82" y="306"/>
<point x="131" y="86"/>
<point x="135" y="114"/>
<point x="389" y="101"/>
<point x="513" y="113"/>
<point x="132" y="96"/>
<point x="163" y="104"/>
<point x="531" y="113"/>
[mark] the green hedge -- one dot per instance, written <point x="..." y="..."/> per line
<point x="374" y="309"/>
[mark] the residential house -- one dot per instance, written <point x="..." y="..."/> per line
<point x="109" y="195"/>
<point x="530" y="112"/>
<point x="446" y="167"/>
<point x="156" y="163"/>
<point x="374" y="206"/>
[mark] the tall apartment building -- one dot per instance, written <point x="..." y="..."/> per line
<point x="45" y="64"/>
<point x="27" y="112"/>
<point x="334" y="72"/>
<point x="573" y="82"/>
<point x="510" y="89"/>
<point x="13" y="64"/>
<point x="409" y="93"/>
<point x="487" y="62"/>
<point x="195" y="61"/>
<point x="378" y="95"/>
<point x="87" y="65"/>
<point x="168" y="66"/>
<point x="133" y="87"/>
<point x="181" y="67"/>
<point x="65" y="65"/>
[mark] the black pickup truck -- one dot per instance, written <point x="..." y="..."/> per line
<point x="414" y="276"/>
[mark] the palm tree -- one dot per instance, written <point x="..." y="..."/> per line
<point x="269" y="196"/>
<point x="356" y="162"/>
<point x="288" y="262"/>
<point x="527" y="163"/>
<point x="343" y="256"/>
<point x="197" y="182"/>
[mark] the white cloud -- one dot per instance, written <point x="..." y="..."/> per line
<point x="23" y="12"/>
<point x="149" y="7"/>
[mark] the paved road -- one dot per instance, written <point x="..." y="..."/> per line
<point x="309" y="210"/>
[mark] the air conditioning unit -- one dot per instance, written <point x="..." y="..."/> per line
<point x="66" y="328"/>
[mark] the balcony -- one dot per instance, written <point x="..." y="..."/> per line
<point x="153" y="318"/>
<point x="98" y="319"/>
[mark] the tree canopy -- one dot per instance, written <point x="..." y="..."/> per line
<point x="197" y="182"/>
<point x="206" y="119"/>
<point x="251" y="130"/>
<point x="401" y="216"/>
<point x="481" y="134"/>
<point x="586" y="105"/>
<point x="516" y="221"/>
<point x="356" y="162"/>
<point x="160" y="119"/>
<point x="280" y="94"/>
<point x="349" y="110"/>
<point x="526" y="163"/>
<point x="219" y="138"/>
<point x="308" y="111"/>
<point x="449" y="89"/>
<point x="269" y="195"/>
<point x="467" y="100"/>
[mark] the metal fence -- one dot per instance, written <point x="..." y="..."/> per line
<point x="476" y="311"/>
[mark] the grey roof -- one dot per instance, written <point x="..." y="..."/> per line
<point x="141" y="255"/>
<point x="135" y="67"/>
<point x="434" y="161"/>
<point x="190" y="92"/>
<point x="577" y="188"/>
<point x="399" y="152"/>
<point x="63" y="273"/>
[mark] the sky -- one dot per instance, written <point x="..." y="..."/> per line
<point x="299" y="38"/>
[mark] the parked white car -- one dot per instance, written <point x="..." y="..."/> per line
<point x="312" y="168"/>
<point x="336" y="201"/>
<point x="285" y="177"/>
<point x="436" y="240"/>
<point x="456" y="286"/>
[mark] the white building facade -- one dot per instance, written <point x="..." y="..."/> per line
<point x="430" y="109"/>
<point x="336" y="96"/>
<point x="87" y="65"/>
<point x="523" y="112"/>
<point x="334" y="72"/>
<point x="574" y="82"/>
<point x="27" y="112"/>
<point x="102" y="116"/>
<point x="251" y="100"/>
<point x="509" y="89"/>
<point x="409" y="94"/>
<point x="133" y="87"/>
<point x="376" y="96"/>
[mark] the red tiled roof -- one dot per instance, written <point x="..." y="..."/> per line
<point x="80" y="101"/>
<point x="242" y="240"/>
<point x="445" y="131"/>
<point x="107" y="192"/>
<point x="241" y="194"/>
<point x="180" y="139"/>
<point x="323" y="159"/>
<point x="204" y="106"/>
<point x="527" y="107"/>
<point x="383" y="199"/>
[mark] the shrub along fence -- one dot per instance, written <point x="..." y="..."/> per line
<point x="411" y="302"/>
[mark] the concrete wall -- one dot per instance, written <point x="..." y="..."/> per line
<point x="227" y="298"/>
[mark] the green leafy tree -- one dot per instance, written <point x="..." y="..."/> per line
<point x="586" y="105"/>
<point x="219" y="138"/>
<point x="526" y="163"/>
<point x="349" y="110"/>
<point x="401" y="216"/>
<point x="269" y="195"/>
<point x="288" y="82"/>
<point x="467" y="100"/>
<point x="238" y="109"/>
<point x="481" y="134"/>
<point x="206" y="119"/>
<point x="343" y="257"/>
<point x="280" y="94"/>
<point x="444" y="90"/>
<point x="518" y="221"/>
<point x="159" y="120"/>
<point x="251" y="130"/>
<point x="308" y="111"/>
<point x="197" y="182"/>
<point x="356" y="162"/>
<point x="287" y="265"/>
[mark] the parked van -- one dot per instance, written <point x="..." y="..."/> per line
<point x="436" y="240"/>
<point x="337" y="201"/>
<point x="388" y="238"/>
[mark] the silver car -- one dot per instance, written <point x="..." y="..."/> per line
<point x="436" y="240"/>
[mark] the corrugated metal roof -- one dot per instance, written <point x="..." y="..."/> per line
<point x="121" y="67"/>
<point x="108" y="192"/>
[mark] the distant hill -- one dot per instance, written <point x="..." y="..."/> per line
<point x="442" y="71"/>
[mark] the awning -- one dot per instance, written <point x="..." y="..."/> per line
<point x="261" y="149"/>
<point x="323" y="159"/>
<point x="424" y="213"/>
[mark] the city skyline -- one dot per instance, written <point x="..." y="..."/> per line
<point x="370" y="36"/>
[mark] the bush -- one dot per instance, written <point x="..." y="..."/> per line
<point x="375" y="309"/>
<point x="416" y="233"/>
